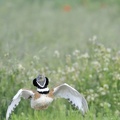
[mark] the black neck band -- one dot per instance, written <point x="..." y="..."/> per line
<point x="44" y="92"/>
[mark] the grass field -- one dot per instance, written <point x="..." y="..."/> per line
<point x="76" y="42"/>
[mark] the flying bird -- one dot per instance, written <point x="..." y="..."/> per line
<point x="43" y="96"/>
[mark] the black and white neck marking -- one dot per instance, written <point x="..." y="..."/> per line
<point x="43" y="91"/>
<point x="39" y="84"/>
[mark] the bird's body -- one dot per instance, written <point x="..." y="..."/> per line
<point x="41" y="101"/>
<point x="43" y="97"/>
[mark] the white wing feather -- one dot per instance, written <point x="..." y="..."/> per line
<point x="67" y="92"/>
<point x="16" y="99"/>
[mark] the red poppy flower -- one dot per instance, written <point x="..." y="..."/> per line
<point x="67" y="8"/>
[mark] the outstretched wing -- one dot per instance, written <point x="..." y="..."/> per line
<point x="26" y="94"/>
<point x="67" y="92"/>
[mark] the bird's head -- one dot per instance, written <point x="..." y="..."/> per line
<point x="41" y="82"/>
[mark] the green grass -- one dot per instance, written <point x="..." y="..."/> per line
<point x="42" y="37"/>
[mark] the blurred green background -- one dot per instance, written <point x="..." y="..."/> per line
<point x="29" y="26"/>
<point x="40" y="36"/>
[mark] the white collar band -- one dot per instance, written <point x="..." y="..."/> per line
<point x="43" y="90"/>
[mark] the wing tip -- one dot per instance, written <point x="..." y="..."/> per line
<point x="7" y="118"/>
<point x="84" y="105"/>
<point x="7" y="115"/>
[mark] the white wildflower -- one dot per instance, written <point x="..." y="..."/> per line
<point x="90" y="76"/>
<point x="59" y="70"/>
<point x="96" y="65"/>
<point x="96" y="95"/>
<point x="31" y="77"/>
<point x="105" y="69"/>
<point x="100" y="89"/>
<point x="53" y="72"/>
<point x="114" y="58"/>
<point x="117" y="112"/>
<point x="20" y="67"/>
<point x="116" y="76"/>
<point x="74" y="78"/>
<point x="118" y="53"/>
<point x="106" y="86"/>
<point x="105" y="104"/>
<point x="92" y="97"/>
<point x="103" y="90"/>
<point x="108" y="104"/>
<point x="85" y="55"/>
<point x="76" y="65"/>
<point x="93" y="39"/>
<point x="70" y="69"/>
<point x="91" y="90"/>
<point x="100" y="76"/>
<point x="36" y="57"/>
<point x="35" y="71"/>
<point x="76" y="52"/>
<point x="103" y="93"/>
<point x="101" y="104"/>
<point x="6" y="54"/>
<point x="56" y="53"/>
<point x="62" y="79"/>
<point x="108" y="50"/>
<point x="68" y="58"/>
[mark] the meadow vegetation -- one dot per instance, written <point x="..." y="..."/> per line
<point x="76" y="42"/>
